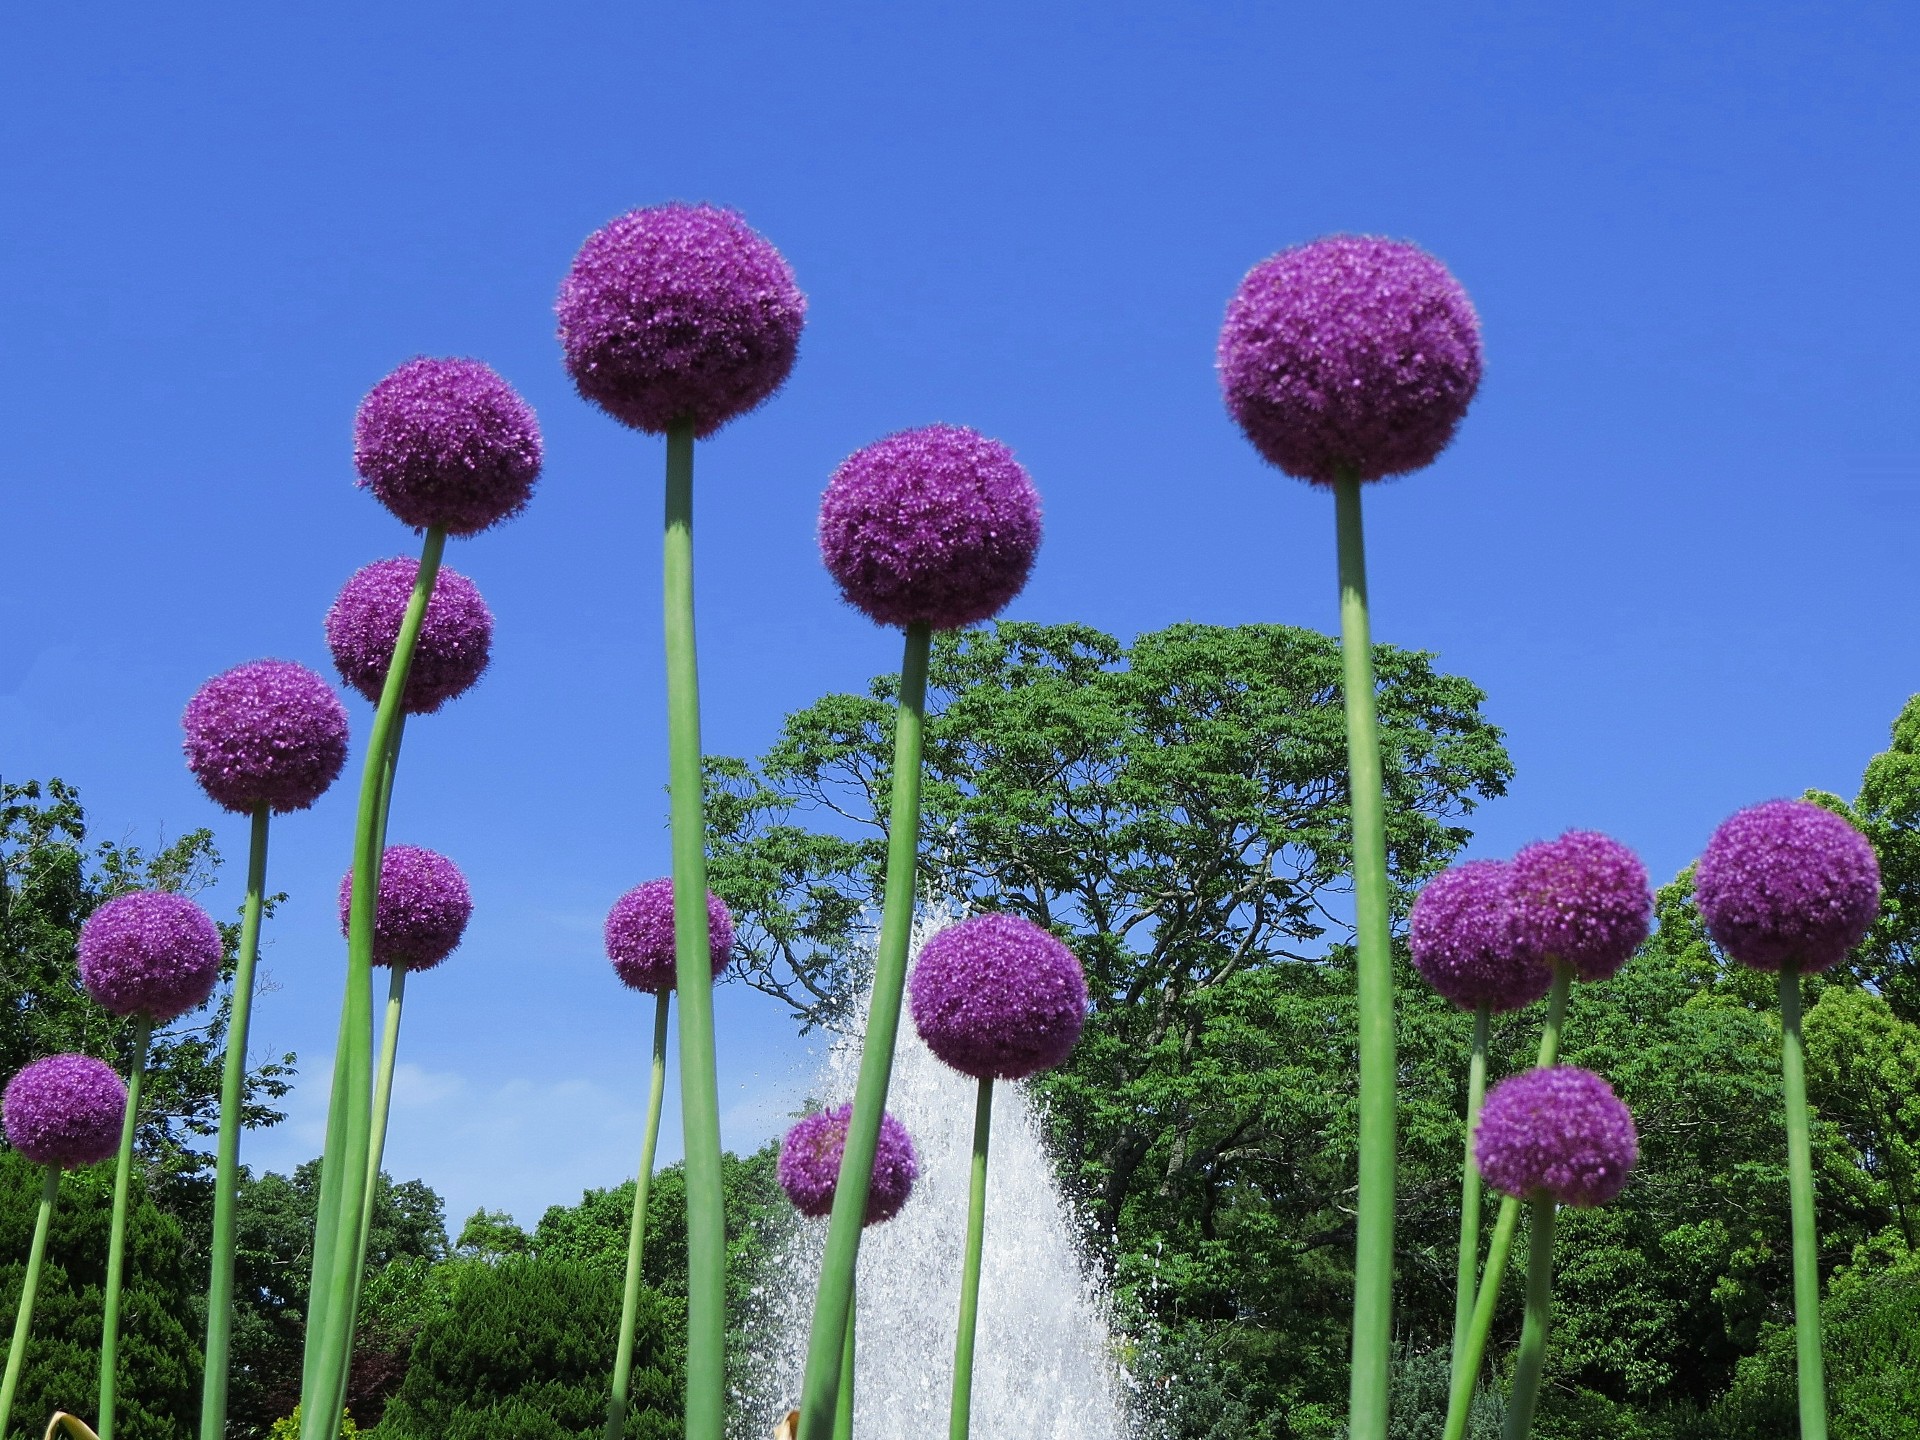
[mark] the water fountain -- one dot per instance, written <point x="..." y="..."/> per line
<point x="1046" y="1366"/>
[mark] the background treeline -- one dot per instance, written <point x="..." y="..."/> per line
<point x="1176" y="809"/>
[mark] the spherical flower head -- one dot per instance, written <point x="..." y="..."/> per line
<point x="150" y="953"/>
<point x="679" y="312"/>
<point x="938" y="525"/>
<point x="997" y="997"/>
<point x="456" y="638"/>
<point x="447" y="443"/>
<point x="1786" y="882"/>
<point x="1462" y="936"/>
<point x="1352" y="355"/>
<point x="269" y="732"/>
<point x="422" y="909"/>
<point x="639" y="936"/>
<point x="65" y="1110"/>
<point x="809" y="1166"/>
<point x="1583" y="900"/>
<point x="1559" y="1132"/>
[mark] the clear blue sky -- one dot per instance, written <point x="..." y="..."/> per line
<point x="1673" y="542"/>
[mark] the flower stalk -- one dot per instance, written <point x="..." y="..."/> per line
<point x="29" y="1290"/>
<point x="637" y="1230"/>
<point x="1467" y="1271"/>
<point x="962" y="1411"/>
<point x="843" y="1409"/>
<point x="1806" y="1239"/>
<point x="835" y="1297"/>
<point x="1532" y="1358"/>
<point x="117" y="1236"/>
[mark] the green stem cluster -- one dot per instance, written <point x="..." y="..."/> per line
<point x="1373" y="1237"/>
<point x="345" y="1164"/>
<point x="117" y="1236"/>
<point x="226" y="1175"/>
<point x="1806" y="1238"/>
<point x="637" y="1228"/>
<point x="29" y="1289"/>
<point x="693" y="966"/>
<point x="961" y="1414"/>
<point x="834" y="1299"/>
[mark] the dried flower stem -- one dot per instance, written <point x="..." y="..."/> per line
<point x="1806" y="1238"/>
<point x="962" y="1411"/>
<point x="343" y="1168"/>
<point x="1373" y="1238"/>
<point x="637" y="1230"/>
<point x="1533" y="1333"/>
<point x="29" y="1288"/>
<point x="226" y="1175"/>
<point x="1467" y="1271"/>
<point x="693" y="966"/>
<point x="117" y="1236"/>
<point x="835" y="1297"/>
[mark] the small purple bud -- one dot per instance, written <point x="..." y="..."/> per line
<point x="809" y="1166"/>
<point x="422" y="910"/>
<point x="639" y="936"/>
<point x="995" y="996"/>
<point x="65" y="1110"/>
<point x="150" y="952"/>
<point x="1582" y="899"/>
<point x="679" y="312"/>
<point x="1462" y="936"/>
<point x="267" y="733"/>
<point x="1788" y="882"/>
<point x="1560" y="1132"/>
<point x="939" y="525"/>
<point x="456" y="637"/>
<point x="447" y="443"/>
<point x="1350" y="354"/>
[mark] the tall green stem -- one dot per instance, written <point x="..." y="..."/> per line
<point x="693" y="968"/>
<point x="226" y="1174"/>
<point x="343" y="1170"/>
<point x="1533" y="1333"/>
<point x="1806" y="1238"/>
<point x="117" y="1236"/>
<point x="835" y="1295"/>
<point x="1556" y="1016"/>
<point x="843" y="1409"/>
<point x="1468" y="1269"/>
<point x="1466" y="1374"/>
<point x="637" y="1230"/>
<point x="1373" y="1229"/>
<point x="382" y="1105"/>
<point x="29" y="1289"/>
<point x="962" y="1412"/>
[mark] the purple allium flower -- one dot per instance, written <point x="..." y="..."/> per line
<point x="1463" y="939"/>
<point x="65" y="1110"/>
<point x="1559" y="1131"/>
<point x="996" y="996"/>
<point x="679" y="311"/>
<point x="1788" y="882"/>
<point x="422" y="910"/>
<point x="447" y="443"/>
<point x="150" y="952"/>
<point x="1582" y="899"/>
<point x="938" y="524"/>
<point x="1351" y="353"/>
<point x="810" y="1165"/>
<point x="269" y="732"/>
<point x="639" y="935"/>
<point x="456" y="639"/>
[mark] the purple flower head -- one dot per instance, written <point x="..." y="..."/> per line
<point x="65" y="1110"/>
<point x="1559" y="1131"/>
<point x="447" y="443"/>
<point x="640" y="936"/>
<point x="269" y="732"/>
<point x="1582" y="899"/>
<point x="1350" y="354"/>
<point x="1464" y="942"/>
<point x="995" y="996"/>
<point x="422" y="909"/>
<point x="679" y="311"/>
<point x="938" y="524"/>
<point x="456" y="639"/>
<point x="810" y="1165"/>
<point x="150" y="953"/>
<point x="1786" y="882"/>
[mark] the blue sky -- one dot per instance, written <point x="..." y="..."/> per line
<point x="1673" y="541"/>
